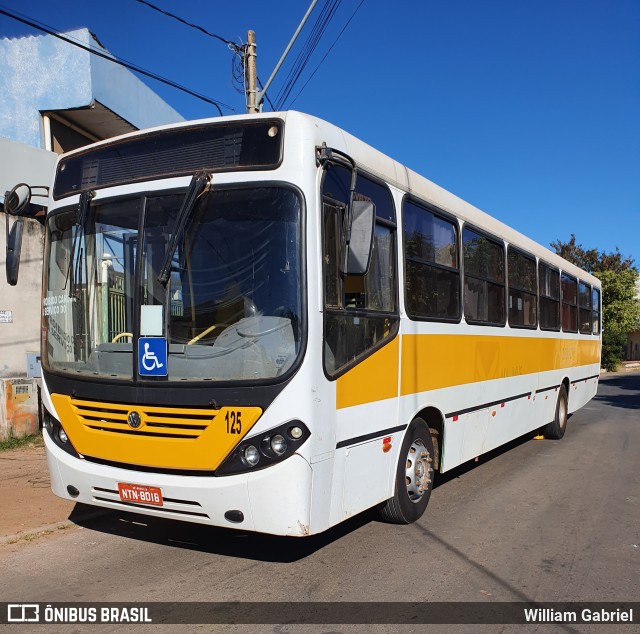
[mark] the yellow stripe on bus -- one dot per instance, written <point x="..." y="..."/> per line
<point x="374" y="379"/>
<point x="430" y="362"/>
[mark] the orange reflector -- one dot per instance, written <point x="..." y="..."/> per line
<point x="493" y="413"/>
<point x="386" y="447"/>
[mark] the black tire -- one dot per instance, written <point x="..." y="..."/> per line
<point x="556" y="428"/>
<point x="414" y="476"/>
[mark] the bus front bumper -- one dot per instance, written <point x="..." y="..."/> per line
<point x="274" y="500"/>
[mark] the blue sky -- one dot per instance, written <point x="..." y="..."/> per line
<point x="528" y="110"/>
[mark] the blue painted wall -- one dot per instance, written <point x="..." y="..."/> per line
<point x="44" y="73"/>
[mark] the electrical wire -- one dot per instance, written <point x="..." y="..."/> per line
<point x="265" y="94"/>
<point x="324" y="18"/>
<point x="229" y="43"/>
<point x="327" y="53"/>
<point x="237" y="62"/>
<point x="121" y="62"/>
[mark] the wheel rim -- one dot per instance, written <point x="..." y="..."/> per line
<point x="418" y="470"/>
<point x="562" y="413"/>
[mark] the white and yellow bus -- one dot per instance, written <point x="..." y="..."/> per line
<point x="261" y="322"/>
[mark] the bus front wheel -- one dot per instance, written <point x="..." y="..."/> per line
<point x="414" y="476"/>
<point x="556" y="428"/>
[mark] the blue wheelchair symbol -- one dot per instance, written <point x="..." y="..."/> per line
<point x="152" y="356"/>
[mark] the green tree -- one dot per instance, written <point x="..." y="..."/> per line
<point x="592" y="260"/>
<point x="620" y="304"/>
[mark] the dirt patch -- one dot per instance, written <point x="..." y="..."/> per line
<point x="27" y="502"/>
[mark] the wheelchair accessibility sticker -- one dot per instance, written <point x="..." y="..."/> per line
<point x="152" y="356"/>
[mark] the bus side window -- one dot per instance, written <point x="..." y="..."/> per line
<point x="584" y="311"/>
<point x="569" y="303"/>
<point x="522" y="289"/>
<point x="595" y="303"/>
<point x="484" y="280"/>
<point x="432" y="267"/>
<point x="549" y="290"/>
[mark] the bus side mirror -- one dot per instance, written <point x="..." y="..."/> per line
<point x="14" y="245"/>
<point x="16" y="200"/>
<point x="359" y="246"/>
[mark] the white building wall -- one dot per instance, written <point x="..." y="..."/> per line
<point x="20" y="305"/>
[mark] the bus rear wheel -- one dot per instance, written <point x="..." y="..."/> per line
<point x="414" y="476"/>
<point x="556" y="428"/>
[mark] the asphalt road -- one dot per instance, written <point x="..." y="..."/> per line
<point x="538" y="520"/>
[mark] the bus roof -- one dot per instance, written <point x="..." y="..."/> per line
<point x="392" y="172"/>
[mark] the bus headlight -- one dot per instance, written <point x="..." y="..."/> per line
<point x="58" y="434"/>
<point x="251" y="456"/>
<point x="265" y="449"/>
<point x="278" y="444"/>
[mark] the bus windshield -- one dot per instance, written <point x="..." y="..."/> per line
<point x="232" y="307"/>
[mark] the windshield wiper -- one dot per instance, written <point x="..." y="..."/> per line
<point x="199" y="184"/>
<point x="81" y="218"/>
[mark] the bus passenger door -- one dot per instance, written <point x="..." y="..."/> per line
<point x="361" y="344"/>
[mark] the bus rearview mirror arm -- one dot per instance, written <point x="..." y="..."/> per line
<point x="359" y="218"/>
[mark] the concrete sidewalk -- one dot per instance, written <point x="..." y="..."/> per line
<point x="28" y="506"/>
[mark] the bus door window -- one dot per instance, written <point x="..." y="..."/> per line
<point x="360" y="311"/>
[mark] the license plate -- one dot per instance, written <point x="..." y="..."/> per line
<point x="140" y="494"/>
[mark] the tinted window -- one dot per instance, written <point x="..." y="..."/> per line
<point x="522" y="290"/>
<point x="360" y="311"/>
<point x="569" y="303"/>
<point x="595" y="302"/>
<point x="549" y="289"/>
<point x="484" y="298"/>
<point x="432" y="285"/>
<point x="584" y="311"/>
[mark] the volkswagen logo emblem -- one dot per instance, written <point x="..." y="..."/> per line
<point x="134" y="420"/>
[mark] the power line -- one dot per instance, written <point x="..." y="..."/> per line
<point x="265" y="94"/>
<point x="324" y="18"/>
<point x="237" y="64"/>
<point x="229" y="43"/>
<point x="47" y="29"/>
<point x="329" y="51"/>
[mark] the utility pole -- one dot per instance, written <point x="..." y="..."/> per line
<point x="252" y="74"/>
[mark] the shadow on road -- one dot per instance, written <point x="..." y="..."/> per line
<point x="210" y="539"/>
<point x="243" y="544"/>
<point x="610" y="391"/>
